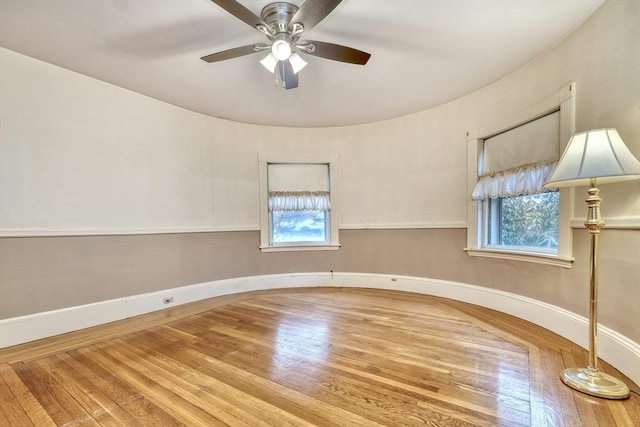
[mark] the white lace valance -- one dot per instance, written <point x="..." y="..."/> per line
<point x="299" y="200"/>
<point x="519" y="181"/>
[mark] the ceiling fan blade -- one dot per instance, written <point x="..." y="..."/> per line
<point x="288" y="77"/>
<point x="313" y="11"/>
<point x="337" y="52"/>
<point x="231" y="53"/>
<point x="242" y="13"/>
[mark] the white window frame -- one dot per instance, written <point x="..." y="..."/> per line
<point x="333" y="242"/>
<point x="564" y="101"/>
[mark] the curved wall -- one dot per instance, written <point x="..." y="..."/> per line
<point x="98" y="176"/>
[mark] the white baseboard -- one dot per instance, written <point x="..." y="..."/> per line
<point x="613" y="347"/>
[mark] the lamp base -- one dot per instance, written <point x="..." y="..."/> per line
<point x="595" y="382"/>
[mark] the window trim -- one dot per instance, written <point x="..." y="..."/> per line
<point x="564" y="101"/>
<point x="332" y="242"/>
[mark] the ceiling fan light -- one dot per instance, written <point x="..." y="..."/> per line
<point x="281" y="49"/>
<point x="269" y="62"/>
<point x="297" y="63"/>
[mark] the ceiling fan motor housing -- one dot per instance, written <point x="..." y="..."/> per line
<point x="278" y="15"/>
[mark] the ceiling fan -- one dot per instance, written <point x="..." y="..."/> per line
<point x="284" y="24"/>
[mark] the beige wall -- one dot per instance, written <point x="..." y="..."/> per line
<point x="82" y="156"/>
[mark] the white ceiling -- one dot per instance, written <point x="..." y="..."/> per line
<point x="424" y="52"/>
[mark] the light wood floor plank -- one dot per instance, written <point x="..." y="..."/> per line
<point x="11" y="412"/>
<point x="61" y="407"/>
<point x="226" y="403"/>
<point x="303" y="406"/>
<point x="306" y="357"/>
<point x="154" y="387"/>
<point x="135" y="403"/>
<point x="28" y="403"/>
<point x="103" y="409"/>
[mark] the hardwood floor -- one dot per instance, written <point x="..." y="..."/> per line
<point x="349" y="357"/>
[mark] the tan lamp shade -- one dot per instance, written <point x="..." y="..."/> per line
<point x="597" y="153"/>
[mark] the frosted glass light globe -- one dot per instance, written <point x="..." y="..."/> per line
<point x="281" y="50"/>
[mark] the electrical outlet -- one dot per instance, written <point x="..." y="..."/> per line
<point x="168" y="300"/>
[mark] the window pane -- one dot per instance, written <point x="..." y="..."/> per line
<point x="299" y="226"/>
<point x="530" y="221"/>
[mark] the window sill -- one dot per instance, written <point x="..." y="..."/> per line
<point x="538" y="258"/>
<point x="294" y="248"/>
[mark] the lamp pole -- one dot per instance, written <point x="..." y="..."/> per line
<point x="594" y="223"/>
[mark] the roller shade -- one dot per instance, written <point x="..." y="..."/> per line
<point x="534" y="142"/>
<point x="290" y="177"/>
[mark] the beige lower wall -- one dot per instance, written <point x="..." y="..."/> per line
<point x="45" y="273"/>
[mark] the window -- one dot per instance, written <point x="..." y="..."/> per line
<point x="292" y="226"/>
<point x="299" y="203"/>
<point x="511" y="215"/>
<point x="298" y="198"/>
<point x="516" y="212"/>
<point x="527" y="222"/>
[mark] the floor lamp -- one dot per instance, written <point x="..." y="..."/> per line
<point x="594" y="156"/>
